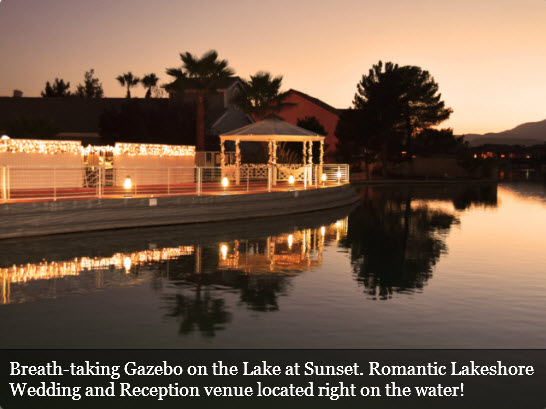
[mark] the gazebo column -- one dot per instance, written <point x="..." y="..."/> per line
<point x="274" y="163"/>
<point x="309" y="169"/>
<point x="304" y="152"/>
<point x="321" y="161"/>
<point x="222" y="157"/>
<point x="237" y="162"/>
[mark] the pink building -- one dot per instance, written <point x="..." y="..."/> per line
<point x="306" y="105"/>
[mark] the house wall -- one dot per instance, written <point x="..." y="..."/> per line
<point x="155" y="172"/>
<point x="304" y="108"/>
<point x="42" y="171"/>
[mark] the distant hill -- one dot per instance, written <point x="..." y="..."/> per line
<point x="530" y="133"/>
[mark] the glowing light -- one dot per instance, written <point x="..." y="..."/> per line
<point x="53" y="269"/>
<point x="40" y="146"/>
<point x="322" y="231"/>
<point x="290" y="241"/>
<point x="338" y="175"/>
<point x="128" y="184"/>
<point x="291" y="179"/>
<point x="127" y="263"/>
<point x="225" y="182"/>
<point x="145" y="149"/>
<point x="324" y="177"/>
<point x="74" y="147"/>
<point x="224" y="250"/>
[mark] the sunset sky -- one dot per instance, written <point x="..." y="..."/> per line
<point x="489" y="57"/>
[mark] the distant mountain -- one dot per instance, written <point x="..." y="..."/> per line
<point x="530" y="133"/>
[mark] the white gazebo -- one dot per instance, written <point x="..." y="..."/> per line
<point x="272" y="131"/>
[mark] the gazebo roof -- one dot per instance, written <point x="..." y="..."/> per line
<point x="271" y="129"/>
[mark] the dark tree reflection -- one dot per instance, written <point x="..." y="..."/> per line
<point x="396" y="237"/>
<point x="200" y="311"/>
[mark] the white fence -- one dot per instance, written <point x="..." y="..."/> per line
<point x="92" y="182"/>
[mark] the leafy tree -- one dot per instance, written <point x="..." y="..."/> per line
<point x="201" y="76"/>
<point x="30" y="127"/>
<point x="395" y="104"/>
<point x="91" y="87"/>
<point x="149" y="81"/>
<point x="439" y="141"/>
<point x="166" y="121"/>
<point x="58" y="89"/>
<point x="261" y="96"/>
<point x="128" y="80"/>
<point x="311" y="123"/>
<point x="355" y="145"/>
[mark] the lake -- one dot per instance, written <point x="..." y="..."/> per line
<point x="439" y="266"/>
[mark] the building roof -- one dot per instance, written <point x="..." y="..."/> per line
<point x="271" y="129"/>
<point x="316" y="101"/>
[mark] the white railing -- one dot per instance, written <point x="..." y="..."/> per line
<point x="19" y="184"/>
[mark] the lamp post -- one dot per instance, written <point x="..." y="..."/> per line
<point x="225" y="184"/>
<point x="323" y="178"/>
<point x="338" y="175"/>
<point x="128" y="184"/>
<point x="291" y="181"/>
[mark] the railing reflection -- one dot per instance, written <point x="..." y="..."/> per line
<point x="286" y="253"/>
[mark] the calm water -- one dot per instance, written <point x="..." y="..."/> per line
<point x="456" y="266"/>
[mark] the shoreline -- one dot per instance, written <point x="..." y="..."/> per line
<point x="47" y="218"/>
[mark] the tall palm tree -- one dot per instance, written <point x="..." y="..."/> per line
<point x="149" y="81"/>
<point x="261" y="96"/>
<point x="128" y="80"/>
<point x="201" y="76"/>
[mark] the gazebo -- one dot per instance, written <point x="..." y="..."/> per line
<point x="273" y="131"/>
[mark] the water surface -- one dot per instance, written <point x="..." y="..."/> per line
<point x="457" y="266"/>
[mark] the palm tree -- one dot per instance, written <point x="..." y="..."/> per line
<point x="149" y="81"/>
<point x="129" y="81"/>
<point x="261" y="96"/>
<point x="201" y="76"/>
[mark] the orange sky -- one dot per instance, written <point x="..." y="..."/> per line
<point x="489" y="57"/>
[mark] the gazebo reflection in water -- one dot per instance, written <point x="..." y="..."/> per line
<point x="284" y="254"/>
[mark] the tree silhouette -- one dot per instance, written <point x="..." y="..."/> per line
<point x="200" y="76"/>
<point x="91" y="87"/>
<point x="129" y="81"/>
<point x="58" y="89"/>
<point x="393" y="104"/>
<point x="261" y="96"/>
<point x="202" y="312"/>
<point x="149" y="81"/>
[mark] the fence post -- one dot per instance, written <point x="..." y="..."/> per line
<point x="199" y="181"/>
<point x="305" y="172"/>
<point x="4" y="185"/>
<point x="269" y="177"/>
<point x="99" y="184"/>
<point x="168" y="181"/>
<point x="54" y="184"/>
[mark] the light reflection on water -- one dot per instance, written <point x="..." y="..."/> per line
<point x="449" y="266"/>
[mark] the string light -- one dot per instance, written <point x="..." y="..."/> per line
<point x="38" y="146"/>
<point x="74" y="147"/>
<point x="49" y="270"/>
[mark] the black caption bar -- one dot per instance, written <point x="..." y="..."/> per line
<point x="267" y="378"/>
